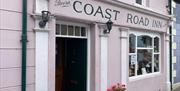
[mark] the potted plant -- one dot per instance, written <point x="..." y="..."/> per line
<point x="117" y="87"/>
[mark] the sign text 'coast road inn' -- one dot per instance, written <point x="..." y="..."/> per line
<point x="109" y="13"/>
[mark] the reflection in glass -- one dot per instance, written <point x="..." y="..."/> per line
<point x="77" y="31"/>
<point x="144" y="59"/>
<point x="57" y="29"/>
<point x="70" y="30"/>
<point x="132" y="43"/>
<point x="83" y="31"/>
<point x="156" y="44"/>
<point x="144" y="41"/>
<point x="156" y="62"/>
<point x="139" y="2"/>
<point x="63" y="29"/>
<point x="132" y="62"/>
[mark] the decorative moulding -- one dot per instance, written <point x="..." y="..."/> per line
<point x="102" y="27"/>
<point x="41" y="30"/>
<point x="124" y="32"/>
<point x="38" y="16"/>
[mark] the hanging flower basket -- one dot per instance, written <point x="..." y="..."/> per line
<point x="117" y="87"/>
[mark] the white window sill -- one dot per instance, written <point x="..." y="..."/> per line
<point x="146" y="76"/>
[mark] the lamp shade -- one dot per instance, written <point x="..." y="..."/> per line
<point x="45" y="18"/>
<point x="45" y="15"/>
<point x="109" y="25"/>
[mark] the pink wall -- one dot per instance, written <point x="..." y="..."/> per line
<point x="155" y="83"/>
<point x="10" y="46"/>
<point x="157" y="5"/>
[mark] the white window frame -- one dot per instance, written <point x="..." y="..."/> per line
<point x="152" y="35"/>
<point x="144" y="2"/>
<point x="73" y="24"/>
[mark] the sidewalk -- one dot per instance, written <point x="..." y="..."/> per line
<point x="178" y="89"/>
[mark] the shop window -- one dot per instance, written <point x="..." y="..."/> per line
<point x="144" y="61"/>
<point x="144" y="41"/>
<point x="156" y="44"/>
<point x="144" y="53"/>
<point x="132" y="43"/>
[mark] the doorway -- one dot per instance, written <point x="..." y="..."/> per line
<point x="71" y="64"/>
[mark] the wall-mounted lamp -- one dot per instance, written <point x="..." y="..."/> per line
<point x="177" y="1"/>
<point x="109" y="26"/>
<point x="44" y="18"/>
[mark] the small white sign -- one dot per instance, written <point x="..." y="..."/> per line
<point x="133" y="59"/>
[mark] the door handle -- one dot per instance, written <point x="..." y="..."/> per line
<point x="73" y="62"/>
<point x="74" y="82"/>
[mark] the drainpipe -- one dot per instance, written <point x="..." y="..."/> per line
<point x="170" y="42"/>
<point x="24" y="46"/>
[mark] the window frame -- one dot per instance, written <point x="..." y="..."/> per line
<point x="67" y="35"/>
<point x="143" y="2"/>
<point x="153" y="35"/>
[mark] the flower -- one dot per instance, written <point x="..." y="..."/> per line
<point x="108" y="89"/>
<point x="117" y="87"/>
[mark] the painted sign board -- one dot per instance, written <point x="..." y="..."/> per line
<point x="98" y="11"/>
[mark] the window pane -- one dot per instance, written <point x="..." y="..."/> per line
<point x="156" y="63"/>
<point x="139" y="2"/>
<point x="77" y="31"/>
<point x="83" y="31"/>
<point x="156" y="44"/>
<point x="63" y="29"/>
<point x="57" y="29"/>
<point x="132" y="62"/>
<point x="144" y="59"/>
<point x="70" y="30"/>
<point x="132" y="43"/>
<point x="144" y="41"/>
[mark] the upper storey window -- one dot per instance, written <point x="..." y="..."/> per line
<point x="139" y="2"/>
<point x="142" y="2"/>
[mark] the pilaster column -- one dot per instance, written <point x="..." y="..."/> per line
<point x="41" y="58"/>
<point x="167" y="64"/>
<point x="103" y="58"/>
<point x="41" y="48"/>
<point x="124" y="47"/>
<point x="41" y="51"/>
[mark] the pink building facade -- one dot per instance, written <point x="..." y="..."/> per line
<point x="74" y="51"/>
